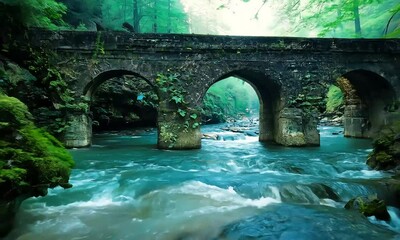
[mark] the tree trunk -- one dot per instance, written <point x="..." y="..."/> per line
<point x="136" y="17"/>
<point x="357" y="22"/>
<point x="169" y="17"/>
<point x="155" y="17"/>
<point x="124" y="10"/>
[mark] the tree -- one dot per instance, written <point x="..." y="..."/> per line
<point x="146" y="15"/>
<point x="334" y="18"/>
<point x="392" y="28"/>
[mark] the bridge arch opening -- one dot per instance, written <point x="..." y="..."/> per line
<point x="332" y="109"/>
<point x="256" y="102"/>
<point x="121" y="100"/>
<point x="368" y="100"/>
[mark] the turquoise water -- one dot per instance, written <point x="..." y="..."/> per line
<point x="125" y="188"/>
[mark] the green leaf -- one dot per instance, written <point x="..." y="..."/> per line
<point x="182" y="112"/>
<point x="194" y="116"/>
<point x="177" y="99"/>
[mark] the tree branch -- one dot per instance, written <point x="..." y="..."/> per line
<point x="259" y="9"/>
<point x="390" y="19"/>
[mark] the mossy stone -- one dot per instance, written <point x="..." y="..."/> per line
<point x="31" y="160"/>
<point x="386" y="153"/>
<point x="369" y="206"/>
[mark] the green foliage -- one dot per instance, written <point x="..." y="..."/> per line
<point x="392" y="28"/>
<point x="181" y="112"/>
<point x="53" y="80"/>
<point x="31" y="160"/>
<point x="99" y="47"/>
<point x="185" y="118"/>
<point x="15" y="112"/>
<point x="170" y="85"/>
<point x="33" y="13"/>
<point x="341" y="18"/>
<point x="334" y="99"/>
<point x="229" y="98"/>
<point x="167" y="135"/>
<point x="161" y="16"/>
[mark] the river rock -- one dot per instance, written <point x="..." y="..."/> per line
<point x="386" y="153"/>
<point x="227" y="136"/>
<point x="307" y="193"/>
<point x="324" y="191"/>
<point x="369" y="206"/>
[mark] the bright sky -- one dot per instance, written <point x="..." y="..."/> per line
<point x="238" y="19"/>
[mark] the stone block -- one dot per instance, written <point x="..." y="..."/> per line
<point x="79" y="131"/>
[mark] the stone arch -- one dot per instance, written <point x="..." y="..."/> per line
<point x="269" y="95"/>
<point x="368" y="100"/>
<point x="81" y="135"/>
<point x="94" y="83"/>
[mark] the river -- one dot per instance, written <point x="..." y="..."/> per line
<point x="124" y="188"/>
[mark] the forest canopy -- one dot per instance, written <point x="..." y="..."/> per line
<point x="306" y="18"/>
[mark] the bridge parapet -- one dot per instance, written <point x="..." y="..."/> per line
<point x="124" y="41"/>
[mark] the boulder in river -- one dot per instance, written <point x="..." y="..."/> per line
<point x="386" y="153"/>
<point x="369" y="206"/>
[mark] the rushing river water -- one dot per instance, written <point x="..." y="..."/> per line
<point x="124" y="188"/>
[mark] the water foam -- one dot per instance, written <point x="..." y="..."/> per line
<point x="222" y="195"/>
<point x="368" y="174"/>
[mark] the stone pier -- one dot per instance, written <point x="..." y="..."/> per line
<point x="294" y="128"/>
<point x="79" y="131"/>
<point x="176" y="131"/>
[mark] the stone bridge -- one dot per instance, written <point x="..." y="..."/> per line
<point x="288" y="74"/>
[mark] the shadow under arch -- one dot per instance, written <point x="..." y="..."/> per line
<point x="268" y="92"/>
<point x="90" y="90"/>
<point x="368" y="98"/>
<point x="91" y="87"/>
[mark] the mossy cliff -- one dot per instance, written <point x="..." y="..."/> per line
<point x="31" y="160"/>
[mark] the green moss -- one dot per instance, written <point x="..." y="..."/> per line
<point x="385" y="153"/>
<point x="13" y="112"/>
<point x="383" y="157"/>
<point x="31" y="160"/>
<point x="369" y="206"/>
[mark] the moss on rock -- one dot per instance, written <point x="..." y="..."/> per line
<point x="369" y="206"/>
<point x="31" y="160"/>
<point x="386" y="153"/>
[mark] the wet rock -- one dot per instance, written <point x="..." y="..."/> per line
<point x="294" y="169"/>
<point x="251" y="133"/>
<point x="226" y="136"/>
<point x="298" y="194"/>
<point x="312" y="193"/>
<point x="386" y="153"/>
<point x="324" y="191"/>
<point x="8" y="210"/>
<point x="369" y="206"/>
<point x="213" y="136"/>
